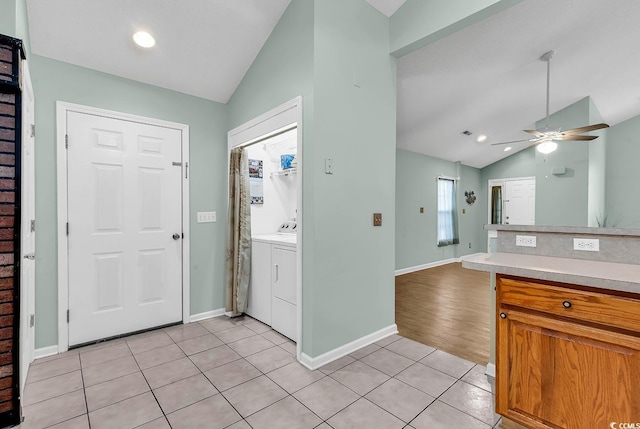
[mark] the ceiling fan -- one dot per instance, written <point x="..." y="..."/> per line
<point x="544" y="138"/>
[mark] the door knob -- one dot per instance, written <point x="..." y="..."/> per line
<point x="176" y="236"/>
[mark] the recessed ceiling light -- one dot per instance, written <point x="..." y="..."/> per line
<point x="481" y="138"/>
<point x="144" y="39"/>
<point x="507" y="149"/>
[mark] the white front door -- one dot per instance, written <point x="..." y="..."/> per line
<point x="520" y="202"/>
<point x="27" y="228"/>
<point x="125" y="226"/>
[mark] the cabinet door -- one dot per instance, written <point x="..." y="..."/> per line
<point x="554" y="373"/>
<point x="259" y="293"/>
<point x="284" y="280"/>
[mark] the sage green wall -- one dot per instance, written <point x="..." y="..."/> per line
<point x="596" y="210"/>
<point x="349" y="278"/>
<point x="563" y="200"/>
<point x="282" y="70"/>
<point x="8" y="17"/>
<point x="623" y="174"/>
<point x="416" y="233"/>
<point x="207" y="120"/>
<point x="314" y="51"/>
<point x="420" y="22"/>
<point x="13" y="21"/>
<point x="22" y="26"/>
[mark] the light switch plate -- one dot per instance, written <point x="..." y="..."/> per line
<point x="328" y="166"/>
<point x="206" y="217"/>
<point x="377" y="219"/>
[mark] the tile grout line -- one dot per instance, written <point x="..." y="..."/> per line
<point x="149" y="385"/>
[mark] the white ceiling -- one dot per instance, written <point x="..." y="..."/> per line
<point x="487" y="78"/>
<point x="203" y="47"/>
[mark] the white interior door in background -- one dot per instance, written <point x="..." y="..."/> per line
<point x="27" y="228"/>
<point x="520" y="202"/>
<point x="125" y="226"/>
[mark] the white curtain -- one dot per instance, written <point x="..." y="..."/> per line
<point x="238" y="263"/>
<point x="447" y="212"/>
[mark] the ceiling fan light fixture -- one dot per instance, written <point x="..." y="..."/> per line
<point x="547" y="147"/>
<point x="144" y="39"/>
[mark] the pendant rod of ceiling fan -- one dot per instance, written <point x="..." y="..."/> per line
<point x="546" y="57"/>
<point x="548" y="85"/>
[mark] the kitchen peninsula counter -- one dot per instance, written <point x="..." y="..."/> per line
<point x="599" y="274"/>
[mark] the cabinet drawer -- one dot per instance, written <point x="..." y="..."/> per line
<point x="588" y="306"/>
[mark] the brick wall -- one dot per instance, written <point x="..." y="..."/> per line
<point x="9" y="210"/>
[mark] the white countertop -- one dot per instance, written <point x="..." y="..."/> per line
<point x="604" y="275"/>
<point x="583" y="230"/>
<point x="277" y="238"/>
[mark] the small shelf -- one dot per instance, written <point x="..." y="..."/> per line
<point x="286" y="172"/>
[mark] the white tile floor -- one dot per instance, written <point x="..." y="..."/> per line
<point x="238" y="374"/>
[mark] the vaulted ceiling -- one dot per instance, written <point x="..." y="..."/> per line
<point x="486" y="78"/>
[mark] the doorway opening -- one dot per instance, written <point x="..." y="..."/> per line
<point x="274" y="144"/>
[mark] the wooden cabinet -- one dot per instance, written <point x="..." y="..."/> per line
<point x="567" y="356"/>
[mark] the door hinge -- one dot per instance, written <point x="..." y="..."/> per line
<point x="33" y="130"/>
<point x="66" y="141"/>
<point x="32" y="320"/>
<point x="33" y="225"/>
<point x="67" y="316"/>
<point x="67" y="228"/>
<point x="186" y="170"/>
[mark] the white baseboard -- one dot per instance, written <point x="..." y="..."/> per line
<point x="316" y="362"/>
<point x="425" y="266"/>
<point x="45" y="351"/>
<point x="207" y="315"/>
<point x="491" y="370"/>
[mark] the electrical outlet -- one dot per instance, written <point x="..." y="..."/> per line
<point x="526" y="240"/>
<point x="586" y="244"/>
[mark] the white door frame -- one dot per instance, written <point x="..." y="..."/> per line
<point x="502" y="183"/>
<point x="270" y="123"/>
<point x="492" y="233"/>
<point x="27" y="291"/>
<point x="62" y="108"/>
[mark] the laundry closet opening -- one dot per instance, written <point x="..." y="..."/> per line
<point x="272" y="296"/>
<point x="272" y="150"/>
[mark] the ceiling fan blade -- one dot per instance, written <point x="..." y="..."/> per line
<point x="514" y="141"/>
<point x="577" y="138"/>
<point x="586" y="129"/>
<point x="534" y="132"/>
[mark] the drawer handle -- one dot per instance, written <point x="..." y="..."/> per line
<point x="566" y="304"/>
<point x="503" y="315"/>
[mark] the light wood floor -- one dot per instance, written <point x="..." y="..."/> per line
<point x="446" y="307"/>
